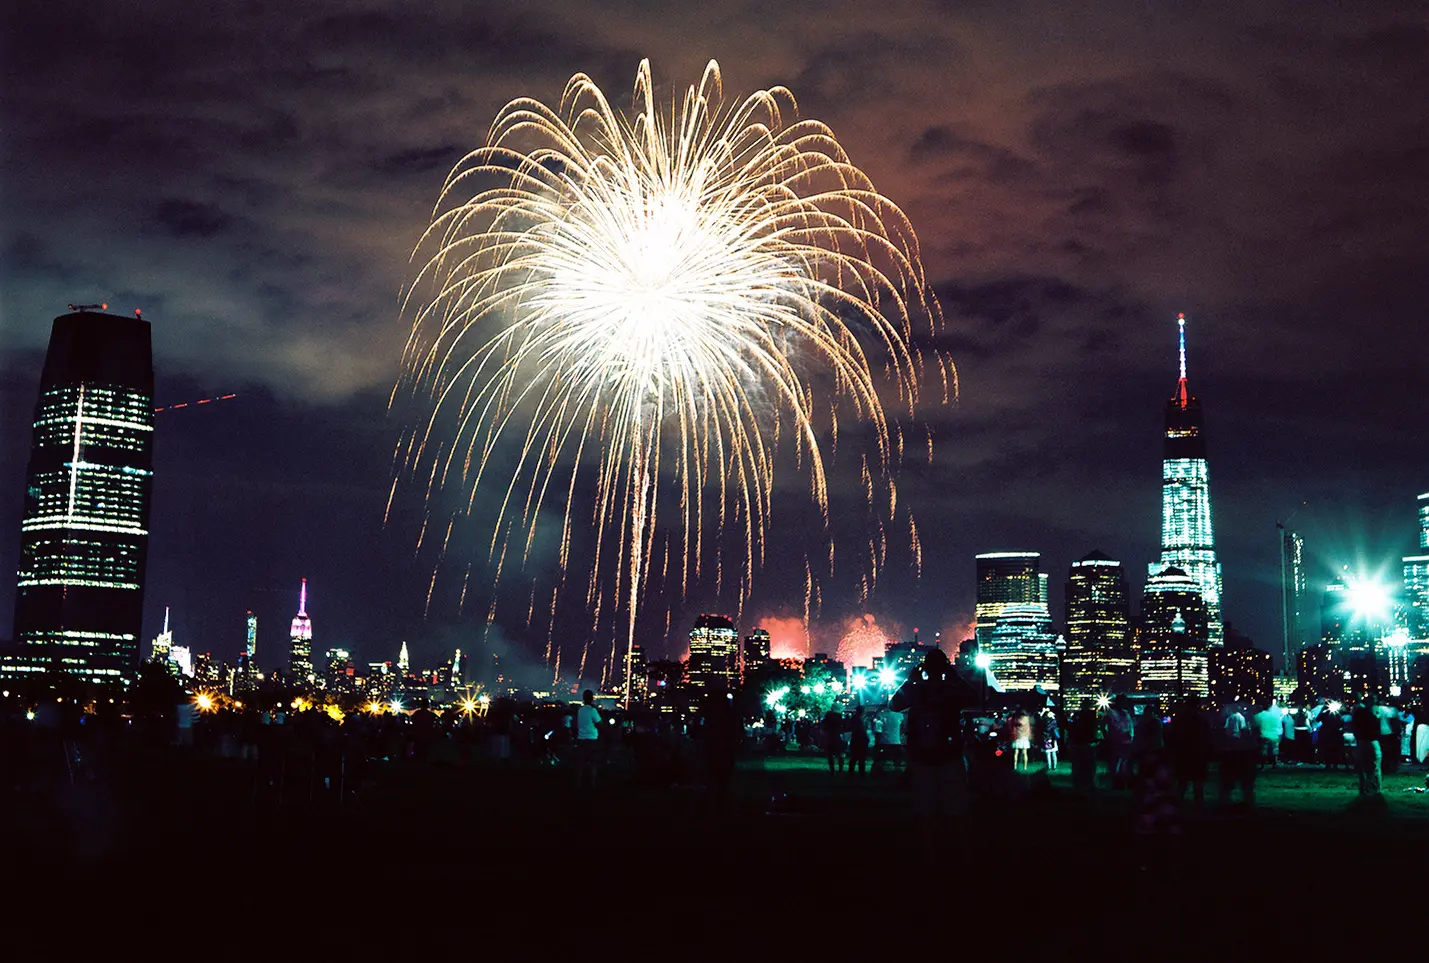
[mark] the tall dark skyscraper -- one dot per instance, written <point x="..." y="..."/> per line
<point x="84" y="540"/>
<point x="1099" y="659"/>
<point x="756" y="652"/>
<point x="1187" y="535"/>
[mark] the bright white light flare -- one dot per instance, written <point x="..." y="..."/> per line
<point x="658" y="299"/>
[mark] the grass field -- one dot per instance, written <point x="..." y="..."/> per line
<point x="433" y="858"/>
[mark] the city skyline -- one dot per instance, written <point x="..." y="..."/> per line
<point x="1065" y="214"/>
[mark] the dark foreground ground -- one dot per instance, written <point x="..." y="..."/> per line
<point x="174" y="855"/>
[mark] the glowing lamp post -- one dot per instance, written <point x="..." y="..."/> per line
<point x="1370" y="603"/>
<point x="984" y="662"/>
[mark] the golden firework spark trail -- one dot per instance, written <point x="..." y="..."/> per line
<point x="649" y="300"/>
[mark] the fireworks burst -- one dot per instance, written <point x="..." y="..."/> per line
<point x="650" y="302"/>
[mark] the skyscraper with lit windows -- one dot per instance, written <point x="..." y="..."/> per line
<point x="300" y="635"/>
<point x="1188" y="538"/>
<point x="1294" y="592"/>
<point x="1099" y="659"/>
<point x="1003" y="579"/>
<point x="1172" y="657"/>
<point x="1022" y="648"/>
<point x="84" y="539"/>
<point x="714" y="653"/>
<point x="1416" y="580"/>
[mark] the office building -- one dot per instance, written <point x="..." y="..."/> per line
<point x="636" y="677"/>
<point x="1416" y="580"/>
<point x="1099" y="659"/>
<point x="1005" y="578"/>
<point x="1171" y="670"/>
<point x="1187" y="533"/>
<point x="1022" y="649"/>
<point x="163" y="643"/>
<point x="714" y="654"/>
<point x="756" y="652"/>
<point x="1172" y="637"/>
<point x="898" y="660"/>
<point x="380" y="681"/>
<point x="1244" y="675"/>
<point x="338" y="670"/>
<point x="1335" y="619"/>
<point x="300" y="636"/>
<point x="1293" y="594"/>
<point x="84" y="539"/>
<point x="1316" y="673"/>
<point x="1397" y="657"/>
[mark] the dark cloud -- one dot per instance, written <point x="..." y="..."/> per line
<point x="255" y="176"/>
<point x="420" y="160"/>
<point x="188" y="219"/>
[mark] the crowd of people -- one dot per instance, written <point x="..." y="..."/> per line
<point x="1122" y="744"/>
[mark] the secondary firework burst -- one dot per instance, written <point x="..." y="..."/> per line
<point x="649" y="303"/>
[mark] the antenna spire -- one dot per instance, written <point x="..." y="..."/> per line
<point x="1181" y="394"/>
<point x="303" y="600"/>
<point x="166" y="618"/>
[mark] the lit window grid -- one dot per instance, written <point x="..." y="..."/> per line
<point x="112" y="496"/>
<point x="1098" y="612"/>
<point x="1416" y="596"/>
<point x="49" y="558"/>
<point x="84" y="430"/>
<point x="714" y="654"/>
<point x="1185" y="504"/>
<point x="1090" y="673"/>
<point x="1157" y="672"/>
<point x="77" y="637"/>
<point x="1022" y="648"/>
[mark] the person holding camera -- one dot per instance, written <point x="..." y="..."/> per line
<point x="934" y="698"/>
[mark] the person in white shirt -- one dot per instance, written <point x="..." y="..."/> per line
<point x="1267" y="728"/>
<point x="587" y="739"/>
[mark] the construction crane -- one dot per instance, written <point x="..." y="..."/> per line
<point x="201" y="401"/>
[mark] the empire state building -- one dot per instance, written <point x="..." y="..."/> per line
<point x="1187" y="536"/>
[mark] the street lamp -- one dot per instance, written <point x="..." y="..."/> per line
<point x="984" y="662"/>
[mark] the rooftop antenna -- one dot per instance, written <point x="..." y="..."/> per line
<point x="1181" y="385"/>
<point x="89" y="307"/>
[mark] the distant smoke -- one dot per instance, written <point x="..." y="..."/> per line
<point x="863" y="639"/>
<point x="489" y="657"/>
<point x="957" y="627"/>
<point x="788" y="637"/>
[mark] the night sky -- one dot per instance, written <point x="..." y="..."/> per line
<point x="254" y="178"/>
